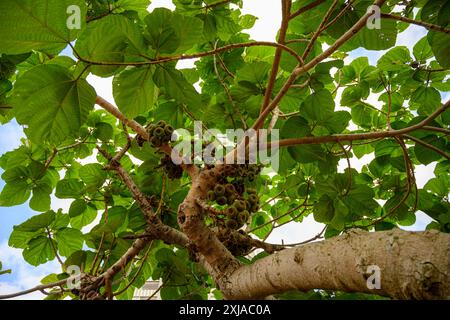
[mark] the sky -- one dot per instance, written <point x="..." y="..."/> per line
<point x="268" y="12"/>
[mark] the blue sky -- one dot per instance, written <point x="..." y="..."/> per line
<point x="25" y="276"/>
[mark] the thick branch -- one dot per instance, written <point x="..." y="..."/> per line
<point x="191" y="220"/>
<point x="159" y="231"/>
<point x="119" y="115"/>
<point x="362" y="136"/>
<point x="412" y="265"/>
<point x="286" y="9"/>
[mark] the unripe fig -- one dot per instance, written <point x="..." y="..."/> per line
<point x="231" y="212"/>
<point x="161" y="123"/>
<point x="168" y="129"/>
<point x="155" y="142"/>
<point x="239" y="205"/>
<point x="253" y="198"/>
<point x="158" y="132"/>
<point x="221" y="200"/>
<point x="151" y="129"/>
<point x="219" y="190"/>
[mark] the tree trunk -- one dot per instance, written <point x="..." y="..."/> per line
<point x="412" y="265"/>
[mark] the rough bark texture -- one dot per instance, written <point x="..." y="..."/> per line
<point x="191" y="219"/>
<point x="413" y="265"/>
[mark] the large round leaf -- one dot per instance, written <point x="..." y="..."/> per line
<point x="52" y="103"/>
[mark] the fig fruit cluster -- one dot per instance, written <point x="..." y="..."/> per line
<point x="159" y="133"/>
<point x="236" y="200"/>
<point x="173" y="171"/>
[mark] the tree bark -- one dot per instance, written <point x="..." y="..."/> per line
<point x="413" y="265"/>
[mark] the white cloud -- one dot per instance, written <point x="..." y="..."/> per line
<point x="296" y="232"/>
<point x="410" y="36"/>
<point x="103" y="87"/>
<point x="11" y="133"/>
<point x="269" y="19"/>
<point x="57" y="203"/>
<point x="161" y="4"/>
<point x="424" y="173"/>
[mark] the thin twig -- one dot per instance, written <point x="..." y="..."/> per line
<point x="424" y="24"/>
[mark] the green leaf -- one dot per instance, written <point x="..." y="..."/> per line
<point x="69" y="240"/>
<point x="40" y="201"/>
<point x="16" y="174"/>
<point x="134" y="91"/>
<point x="318" y="106"/>
<point x="226" y="27"/>
<point x="161" y="34"/>
<point x="424" y="154"/>
<point x="354" y="94"/>
<point x="260" y="219"/>
<point x="93" y="175"/>
<point x="360" y="201"/>
<point x="170" y="293"/>
<point x="14" y="194"/>
<point x="77" y="258"/>
<point x="440" y="44"/>
<point x="323" y="209"/>
<point x="359" y="65"/>
<point x="109" y="39"/>
<point x="254" y="72"/>
<point x="307" y="153"/>
<point x="170" y="32"/>
<point x="52" y="103"/>
<point x="295" y="127"/>
<point x="338" y="122"/>
<point x="439" y="185"/>
<point x="27" y="25"/>
<point x="103" y="131"/>
<point x="395" y="59"/>
<point x="5" y="85"/>
<point x="39" y="251"/>
<point x="377" y="39"/>
<point x="422" y="50"/>
<point x="77" y="207"/>
<point x="19" y="239"/>
<point x="175" y="85"/>
<point x="136" y="5"/>
<point x="386" y="148"/>
<point x="37" y="222"/>
<point x="117" y="217"/>
<point x="247" y="21"/>
<point x="363" y="115"/>
<point x="61" y="221"/>
<point x="172" y="113"/>
<point x="69" y="188"/>
<point x="84" y="218"/>
<point x="428" y="99"/>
